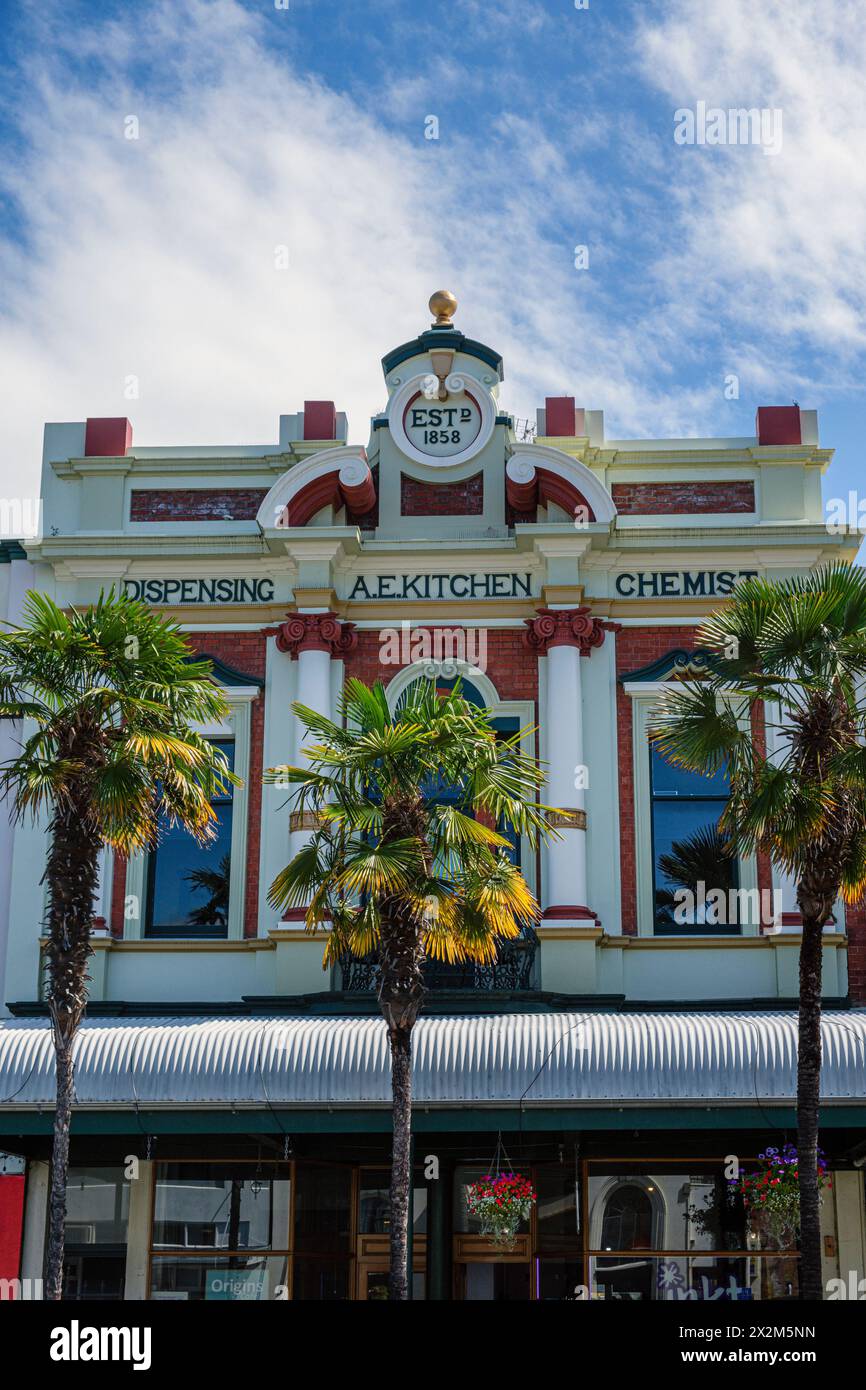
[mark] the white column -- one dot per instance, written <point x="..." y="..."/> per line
<point x="566" y="636"/>
<point x="314" y="691"/>
<point x="313" y="638"/>
<point x="35" y="1220"/>
<point x="138" y="1231"/>
<point x="102" y="906"/>
<point x="566" y="857"/>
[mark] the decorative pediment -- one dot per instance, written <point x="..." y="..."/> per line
<point x="539" y="473"/>
<point x="678" y="665"/>
<point x="332" y="478"/>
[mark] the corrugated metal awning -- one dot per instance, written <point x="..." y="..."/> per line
<point x="554" y="1059"/>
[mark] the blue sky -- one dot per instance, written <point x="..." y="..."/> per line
<point x="140" y="276"/>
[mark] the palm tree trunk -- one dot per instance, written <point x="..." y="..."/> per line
<point x="808" y="1101"/>
<point x="400" y="1040"/>
<point x="72" y="875"/>
<point x="59" y="1172"/>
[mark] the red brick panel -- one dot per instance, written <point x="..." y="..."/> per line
<point x="196" y="504"/>
<point x="511" y="666"/>
<point x="442" y="499"/>
<point x="855" y="920"/>
<point x="652" y="499"/>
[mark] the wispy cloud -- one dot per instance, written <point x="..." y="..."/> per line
<point x="157" y="258"/>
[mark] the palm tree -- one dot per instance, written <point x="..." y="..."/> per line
<point x="111" y="692"/>
<point x="390" y="871"/>
<point x="216" y="883"/>
<point x="792" y="651"/>
<point x="703" y="857"/>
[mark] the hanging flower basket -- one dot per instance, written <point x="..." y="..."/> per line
<point x="500" y="1201"/>
<point x="771" y="1195"/>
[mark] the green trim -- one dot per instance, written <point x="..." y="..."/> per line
<point x="11" y="550"/>
<point x="227" y="675"/>
<point x="661" y="669"/>
<point x="466" y="1119"/>
<point x="328" y="1004"/>
<point x="439" y="338"/>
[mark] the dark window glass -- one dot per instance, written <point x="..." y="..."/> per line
<point x="496" y="1283"/>
<point x="322" y="1209"/>
<point x="693" y="869"/>
<point x="320" y="1281"/>
<point x="559" y="1280"/>
<point x="627" y="1223"/>
<point x="188" y="883"/>
<point x="93" y="1278"/>
<point x="374" y="1204"/>
<point x="556" y="1208"/>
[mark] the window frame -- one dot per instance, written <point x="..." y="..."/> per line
<point x="643" y="696"/>
<point x="236" y="726"/>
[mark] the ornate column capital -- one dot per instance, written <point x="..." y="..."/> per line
<point x="316" y="632"/>
<point x="566" y="627"/>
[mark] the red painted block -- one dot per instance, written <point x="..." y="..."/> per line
<point x="559" y="416"/>
<point x="320" y="420"/>
<point x="107" y="437"/>
<point x="778" y="424"/>
<point x="11" y="1224"/>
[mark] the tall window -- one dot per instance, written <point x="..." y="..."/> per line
<point x="693" y="867"/>
<point x="188" y="883"/>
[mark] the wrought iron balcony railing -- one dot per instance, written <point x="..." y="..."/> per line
<point x="513" y="970"/>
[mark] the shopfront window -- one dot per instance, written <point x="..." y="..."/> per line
<point x="557" y="1209"/>
<point x="217" y="1207"/>
<point x="323" y="1210"/>
<point x="374" y="1205"/>
<point x="187" y="883"/>
<point x="252" y="1231"/>
<point x="707" y="1278"/>
<point x="669" y="1232"/>
<point x="97" y="1217"/>
<point x="693" y="867"/>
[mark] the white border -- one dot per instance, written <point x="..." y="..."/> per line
<point x="456" y="382"/>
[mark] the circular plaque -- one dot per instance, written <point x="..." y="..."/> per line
<point x="441" y="431"/>
<point x="442" y="428"/>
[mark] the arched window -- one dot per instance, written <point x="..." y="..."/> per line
<point x="627" y="1223"/>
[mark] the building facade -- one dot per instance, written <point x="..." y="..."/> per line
<point x="231" y="1131"/>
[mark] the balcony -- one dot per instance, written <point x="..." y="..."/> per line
<point x="513" y="970"/>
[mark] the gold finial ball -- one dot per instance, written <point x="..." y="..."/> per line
<point x="443" y="305"/>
